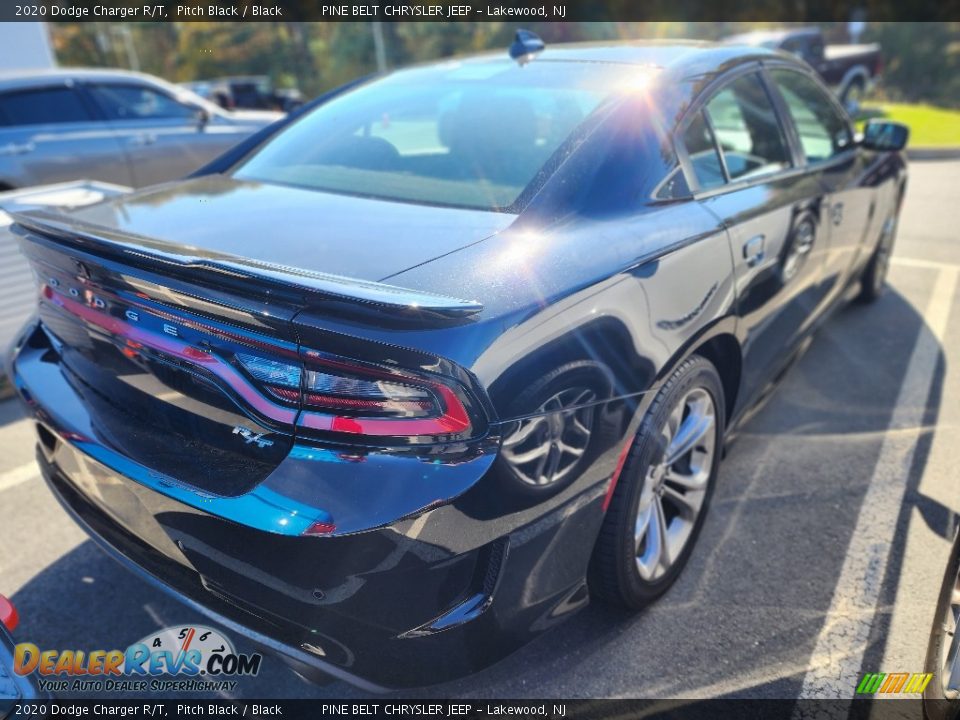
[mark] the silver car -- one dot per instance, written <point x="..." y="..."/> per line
<point x="109" y="125"/>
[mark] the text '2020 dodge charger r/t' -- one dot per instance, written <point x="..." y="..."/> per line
<point x="452" y="351"/>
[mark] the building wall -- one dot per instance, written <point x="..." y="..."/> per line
<point x="26" y="45"/>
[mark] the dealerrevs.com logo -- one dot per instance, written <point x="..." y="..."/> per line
<point x="178" y="658"/>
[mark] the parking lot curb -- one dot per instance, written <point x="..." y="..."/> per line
<point x="949" y="153"/>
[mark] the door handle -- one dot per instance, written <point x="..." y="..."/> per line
<point x="836" y="213"/>
<point x="143" y="139"/>
<point x="753" y="250"/>
<point x="17" y="148"/>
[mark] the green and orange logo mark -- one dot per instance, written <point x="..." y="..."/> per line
<point x="893" y="683"/>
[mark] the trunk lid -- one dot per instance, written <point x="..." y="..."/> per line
<point x="355" y="237"/>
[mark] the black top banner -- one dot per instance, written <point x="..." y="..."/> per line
<point x="474" y="11"/>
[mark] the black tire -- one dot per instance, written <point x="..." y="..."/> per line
<point x="614" y="574"/>
<point x="569" y="378"/>
<point x="936" y="704"/>
<point x="873" y="279"/>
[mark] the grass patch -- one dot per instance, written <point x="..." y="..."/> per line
<point x="929" y="126"/>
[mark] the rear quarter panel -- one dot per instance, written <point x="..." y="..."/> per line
<point x="631" y="292"/>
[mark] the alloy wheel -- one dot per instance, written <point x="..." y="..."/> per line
<point x="676" y="484"/>
<point x="544" y="449"/>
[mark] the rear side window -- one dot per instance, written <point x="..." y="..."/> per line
<point x="702" y="150"/>
<point x="674" y="186"/>
<point x="747" y="129"/>
<point x="822" y="129"/>
<point x="138" y="102"/>
<point x="45" y="106"/>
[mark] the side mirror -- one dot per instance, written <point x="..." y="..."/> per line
<point x="885" y="135"/>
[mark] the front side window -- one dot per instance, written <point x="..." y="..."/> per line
<point x="469" y="135"/>
<point x="42" y="107"/>
<point x="822" y="129"/>
<point x="138" y="102"/>
<point x="747" y="129"/>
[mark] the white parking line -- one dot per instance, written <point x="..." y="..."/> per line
<point x="834" y="667"/>
<point x="921" y="263"/>
<point x="12" y="478"/>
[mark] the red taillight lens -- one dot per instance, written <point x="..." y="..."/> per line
<point x="8" y="614"/>
<point x="350" y="397"/>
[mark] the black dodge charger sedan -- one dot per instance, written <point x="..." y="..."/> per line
<point x="406" y="381"/>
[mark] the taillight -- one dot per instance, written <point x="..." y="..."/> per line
<point x="344" y="396"/>
<point x="384" y="398"/>
<point x="276" y="376"/>
<point x="8" y="614"/>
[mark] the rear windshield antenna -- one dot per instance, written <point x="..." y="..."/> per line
<point x="525" y="46"/>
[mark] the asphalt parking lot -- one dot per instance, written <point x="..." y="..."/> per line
<point x="821" y="557"/>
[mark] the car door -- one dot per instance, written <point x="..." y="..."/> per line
<point x="49" y="134"/>
<point x="744" y="170"/>
<point x="164" y="137"/>
<point x="827" y="149"/>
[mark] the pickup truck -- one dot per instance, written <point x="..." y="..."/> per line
<point x="850" y="70"/>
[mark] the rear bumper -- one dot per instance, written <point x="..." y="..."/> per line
<point x="418" y="599"/>
<point x="360" y="630"/>
<point x="138" y="558"/>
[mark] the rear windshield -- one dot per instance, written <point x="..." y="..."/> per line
<point x="472" y="134"/>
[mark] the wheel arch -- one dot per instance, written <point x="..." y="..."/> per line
<point x="724" y="352"/>
<point x="605" y="341"/>
<point x="859" y="73"/>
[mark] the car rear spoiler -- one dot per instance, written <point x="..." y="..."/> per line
<point x="135" y="249"/>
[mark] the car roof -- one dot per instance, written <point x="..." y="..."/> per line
<point x="640" y="52"/>
<point x="683" y="65"/>
<point x="681" y="58"/>
<point x="761" y="36"/>
<point x="44" y="76"/>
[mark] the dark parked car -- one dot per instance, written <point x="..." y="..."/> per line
<point x="453" y="351"/>
<point x="255" y="92"/>
<point x="851" y="70"/>
<point x="109" y="125"/>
